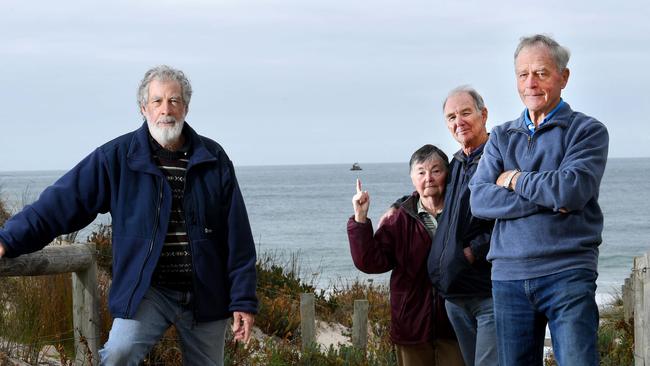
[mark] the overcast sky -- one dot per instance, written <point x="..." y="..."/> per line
<point x="304" y="81"/>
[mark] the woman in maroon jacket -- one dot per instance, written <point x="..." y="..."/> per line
<point x="419" y="325"/>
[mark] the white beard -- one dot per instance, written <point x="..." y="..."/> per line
<point x="166" y="136"/>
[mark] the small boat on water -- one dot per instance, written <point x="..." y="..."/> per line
<point x="355" y="166"/>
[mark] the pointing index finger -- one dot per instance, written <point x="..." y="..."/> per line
<point x="358" y="185"/>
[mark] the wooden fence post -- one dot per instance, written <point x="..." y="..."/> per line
<point x="640" y="269"/>
<point x="646" y="309"/>
<point x="307" y="320"/>
<point x="360" y="324"/>
<point x="85" y="314"/>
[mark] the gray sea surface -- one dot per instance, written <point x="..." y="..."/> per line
<point x="301" y="211"/>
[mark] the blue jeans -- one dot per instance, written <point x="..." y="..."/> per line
<point x="565" y="300"/>
<point x="130" y="340"/>
<point x="473" y="322"/>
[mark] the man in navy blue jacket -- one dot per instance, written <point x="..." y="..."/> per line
<point x="539" y="178"/>
<point x="457" y="262"/>
<point x="183" y="251"/>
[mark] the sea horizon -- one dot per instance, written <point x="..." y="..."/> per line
<point x="361" y="163"/>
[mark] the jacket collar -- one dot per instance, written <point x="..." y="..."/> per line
<point x="561" y="118"/>
<point x="139" y="156"/>
<point x="473" y="158"/>
<point x="410" y="205"/>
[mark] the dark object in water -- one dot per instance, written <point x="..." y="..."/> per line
<point x="355" y="166"/>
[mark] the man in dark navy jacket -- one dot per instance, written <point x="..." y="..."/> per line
<point x="457" y="262"/>
<point x="183" y="252"/>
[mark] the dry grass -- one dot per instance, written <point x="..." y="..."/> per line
<point x="37" y="312"/>
<point x="4" y="212"/>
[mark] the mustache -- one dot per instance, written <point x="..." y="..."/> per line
<point x="167" y="119"/>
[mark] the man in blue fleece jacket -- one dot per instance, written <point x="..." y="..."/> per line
<point x="539" y="178"/>
<point x="183" y="252"/>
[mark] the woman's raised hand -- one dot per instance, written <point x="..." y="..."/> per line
<point x="361" y="203"/>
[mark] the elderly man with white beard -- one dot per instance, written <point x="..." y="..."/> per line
<point x="183" y="252"/>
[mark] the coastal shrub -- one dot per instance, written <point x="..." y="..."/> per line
<point x="167" y="351"/>
<point x="276" y="352"/>
<point x="339" y="306"/>
<point x="615" y="336"/>
<point x="278" y="290"/>
<point x="4" y="212"/>
<point x="267" y="351"/>
<point x="102" y="237"/>
<point x="37" y="312"/>
<point x="279" y="316"/>
<point x="236" y="353"/>
<point x="343" y="355"/>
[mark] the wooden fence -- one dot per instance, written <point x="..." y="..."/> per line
<point x="636" y="307"/>
<point x="80" y="260"/>
<point x="308" y="322"/>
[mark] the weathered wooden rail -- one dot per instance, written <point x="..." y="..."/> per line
<point x="80" y="260"/>
<point x="636" y="307"/>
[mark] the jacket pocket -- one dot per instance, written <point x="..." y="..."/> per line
<point x="398" y="313"/>
<point x="452" y="265"/>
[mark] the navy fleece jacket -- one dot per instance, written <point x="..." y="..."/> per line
<point x="121" y="177"/>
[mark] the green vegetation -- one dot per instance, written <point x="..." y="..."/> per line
<point x="615" y="336"/>
<point x="279" y="289"/>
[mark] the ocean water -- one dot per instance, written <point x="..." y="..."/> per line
<point x="301" y="211"/>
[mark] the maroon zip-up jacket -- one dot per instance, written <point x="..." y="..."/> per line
<point x="402" y="244"/>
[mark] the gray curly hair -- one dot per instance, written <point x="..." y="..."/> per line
<point x="164" y="73"/>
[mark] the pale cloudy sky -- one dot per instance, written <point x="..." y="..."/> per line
<point x="304" y="81"/>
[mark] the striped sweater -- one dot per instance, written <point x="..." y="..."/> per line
<point x="174" y="268"/>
